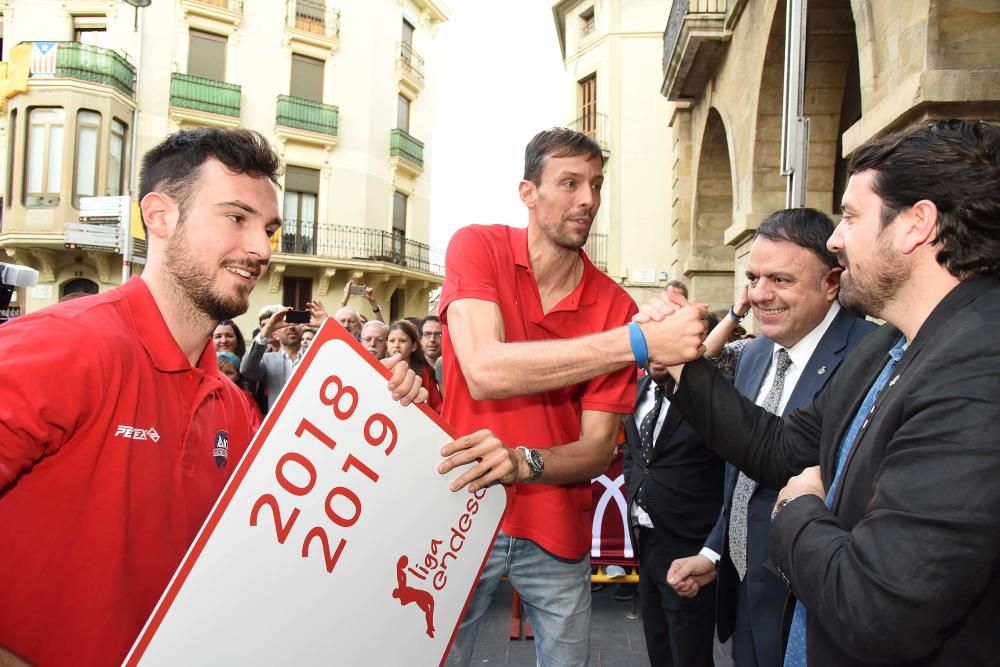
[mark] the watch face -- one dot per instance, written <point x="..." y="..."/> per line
<point x="535" y="461"/>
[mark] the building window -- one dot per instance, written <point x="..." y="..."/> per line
<point x="588" y="106"/>
<point x="116" y="158"/>
<point x="207" y="55"/>
<point x="403" y="113"/>
<point x="587" y="21"/>
<point x="296" y="292"/>
<point x="92" y="30"/>
<point x="298" y="233"/>
<point x="44" y="156"/>
<point x="88" y="124"/>
<point x="11" y="144"/>
<point x="307" y="78"/>
<point x="399" y="201"/>
<point x="408" y="33"/>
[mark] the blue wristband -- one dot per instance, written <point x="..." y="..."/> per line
<point x="638" y="342"/>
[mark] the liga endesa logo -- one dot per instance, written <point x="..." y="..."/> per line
<point x="432" y="567"/>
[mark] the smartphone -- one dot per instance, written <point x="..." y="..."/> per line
<point x="297" y="317"/>
<point x="358" y="289"/>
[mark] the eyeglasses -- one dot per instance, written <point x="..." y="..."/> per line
<point x="432" y="334"/>
<point x="369" y="339"/>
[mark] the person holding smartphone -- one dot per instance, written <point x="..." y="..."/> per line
<point x="273" y="369"/>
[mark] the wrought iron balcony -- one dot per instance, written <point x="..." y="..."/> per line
<point x="313" y="16"/>
<point x="411" y="64"/>
<point x="302" y="237"/>
<point x="693" y="43"/>
<point x="73" y="60"/>
<point x="402" y="145"/>
<point x="308" y="115"/>
<point x="195" y="92"/>
<point x="597" y="250"/>
<point x="595" y="126"/>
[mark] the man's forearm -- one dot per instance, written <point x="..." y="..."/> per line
<point x="503" y="370"/>
<point x="251" y="366"/>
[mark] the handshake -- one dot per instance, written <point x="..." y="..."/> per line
<point x="672" y="330"/>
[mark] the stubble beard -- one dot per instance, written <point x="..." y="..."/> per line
<point x="869" y="295"/>
<point x="196" y="284"/>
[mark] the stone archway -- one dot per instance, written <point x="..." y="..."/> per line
<point x="709" y="267"/>
<point x="832" y="102"/>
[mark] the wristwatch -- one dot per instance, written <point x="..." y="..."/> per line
<point x="780" y="505"/>
<point x="737" y="318"/>
<point x="535" y="462"/>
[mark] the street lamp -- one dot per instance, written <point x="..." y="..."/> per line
<point x="137" y="28"/>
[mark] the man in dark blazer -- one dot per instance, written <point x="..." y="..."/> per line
<point x="674" y="487"/>
<point x="887" y="528"/>
<point x="789" y="254"/>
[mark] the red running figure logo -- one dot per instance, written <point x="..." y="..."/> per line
<point x="407" y="594"/>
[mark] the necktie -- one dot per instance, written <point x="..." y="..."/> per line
<point x="646" y="429"/>
<point x="648" y="425"/>
<point x="795" y="651"/>
<point x="746" y="486"/>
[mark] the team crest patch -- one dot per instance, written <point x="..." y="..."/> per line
<point x="221" y="449"/>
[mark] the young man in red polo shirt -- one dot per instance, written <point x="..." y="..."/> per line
<point x="112" y="454"/>
<point x="545" y="360"/>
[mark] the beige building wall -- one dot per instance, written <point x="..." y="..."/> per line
<point x="358" y="172"/>
<point x="620" y="45"/>
<point x="872" y="67"/>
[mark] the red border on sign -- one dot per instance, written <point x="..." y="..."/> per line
<point x="329" y="331"/>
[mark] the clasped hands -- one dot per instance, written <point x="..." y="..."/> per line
<point x="674" y="328"/>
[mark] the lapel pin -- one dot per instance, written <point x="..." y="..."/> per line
<point x="821" y="370"/>
<point x="893" y="381"/>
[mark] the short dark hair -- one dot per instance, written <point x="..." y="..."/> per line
<point x="956" y="165"/>
<point x="557" y="142"/>
<point x="174" y="165"/>
<point x="804" y="227"/>
<point x="429" y="318"/>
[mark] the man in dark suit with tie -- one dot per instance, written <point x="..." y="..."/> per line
<point x="887" y="528"/>
<point x="793" y="285"/>
<point x="674" y="487"/>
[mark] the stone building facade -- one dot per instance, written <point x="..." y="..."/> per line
<point x="872" y="66"/>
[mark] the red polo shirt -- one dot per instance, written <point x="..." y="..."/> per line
<point x="491" y="263"/>
<point x="113" y="449"/>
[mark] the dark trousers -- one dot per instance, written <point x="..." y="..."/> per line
<point x="679" y="631"/>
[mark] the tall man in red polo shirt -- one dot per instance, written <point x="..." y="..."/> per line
<point x="112" y="453"/>
<point x="545" y="360"/>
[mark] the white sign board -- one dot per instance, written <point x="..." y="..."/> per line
<point x="336" y="541"/>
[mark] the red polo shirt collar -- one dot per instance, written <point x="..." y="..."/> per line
<point x="154" y="335"/>
<point x="584" y="294"/>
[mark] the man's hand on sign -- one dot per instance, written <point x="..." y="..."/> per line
<point x="494" y="461"/>
<point x="404" y="383"/>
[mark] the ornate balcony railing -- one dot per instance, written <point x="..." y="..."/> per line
<point x="595" y="126"/>
<point x="73" y="60"/>
<point x="201" y="94"/>
<point x="345" y="242"/>
<point x="597" y="250"/>
<point x="307" y="115"/>
<point x="401" y="144"/>
<point x="313" y="16"/>
<point x="411" y="63"/>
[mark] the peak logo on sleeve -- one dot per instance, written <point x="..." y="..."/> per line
<point x="133" y="433"/>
